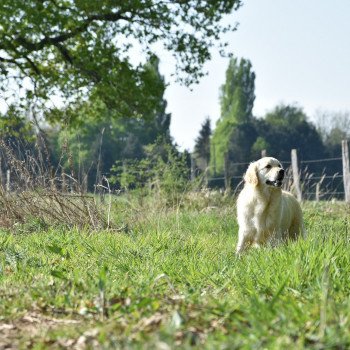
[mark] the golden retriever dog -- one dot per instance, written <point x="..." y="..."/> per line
<point x="265" y="212"/>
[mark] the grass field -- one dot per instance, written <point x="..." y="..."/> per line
<point x="169" y="278"/>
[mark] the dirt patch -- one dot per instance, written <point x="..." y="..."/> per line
<point x="21" y="332"/>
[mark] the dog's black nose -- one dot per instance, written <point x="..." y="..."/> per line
<point x="281" y="174"/>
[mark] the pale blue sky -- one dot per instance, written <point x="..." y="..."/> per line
<point x="300" y="52"/>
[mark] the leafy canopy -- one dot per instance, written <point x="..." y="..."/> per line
<point x="288" y="127"/>
<point x="76" y="48"/>
<point x="97" y="139"/>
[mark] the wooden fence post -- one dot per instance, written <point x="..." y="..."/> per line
<point x="85" y="182"/>
<point x="64" y="182"/>
<point x="214" y="158"/>
<point x="227" y="173"/>
<point x="1" y="176"/>
<point x="296" y="177"/>
<point x="346" y="171"/>
<point x="8" y="181"/>
<point x="317" y="195"/>
<point x="193" y="168"/>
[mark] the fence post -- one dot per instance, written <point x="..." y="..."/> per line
<point x="263" y="153"/>
<point x="8" y="181"/>
<point x="317" y="196"/>
<point x="227" y="173"/>
<point x="214" y="159"/>
<point x="1" y="176"/>
<point x="296" y="178"/>
<point x="85" y="182"/>
<point x="64" y="183"/>
<point x="346" y="171"/>
<point x="193" y="168"/>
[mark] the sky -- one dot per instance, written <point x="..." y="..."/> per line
<point x="300" y="52"/>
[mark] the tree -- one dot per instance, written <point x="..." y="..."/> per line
<point x="237" y="94"/>
<point x="96" y="139"/>
<point x="76" y="48"/>
<point x="239" y="150"/>
<point x="286" y="127"/>
<point x="202" y="146"/>
<point x="287" y="116"/>
<point x="17" y="137"/>
<point x="333" y="128"/>
<point x="164" y="169"/>
<point x="237" y="101"/>
<point x="15" y="127"/>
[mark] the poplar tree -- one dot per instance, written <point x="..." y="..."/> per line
<point x="237" y="97"/>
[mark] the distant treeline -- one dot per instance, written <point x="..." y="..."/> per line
<point x="240" y="137"/>
<point x="89" y="140"/>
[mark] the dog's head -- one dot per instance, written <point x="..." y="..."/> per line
<point x="265" y="171"/>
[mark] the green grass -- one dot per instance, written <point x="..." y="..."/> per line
<point x="170" y="278"/>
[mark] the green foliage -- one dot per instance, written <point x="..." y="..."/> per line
<point x="240" y="147"/>
<point x="238" y="93"/>
<point x="286" y="116"/>
<point x="237" y="100"/>
<point x="131" y="173"/>
<point x="15" y="126"/>
<point x="95" y="137"/>
<point x="259" y="145"/>
<point x="163" y="170"/>
<point x="333" y="127"/>
<point x="284" y="128"/>
<point x="288" y="127"/>
<point x="82" y="48"/>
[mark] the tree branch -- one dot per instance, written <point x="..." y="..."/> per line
<point x="19" y="65"/>
<point x="65" y="53"/>
<point x="47" y="41"/>
<point x="7" y="60"/>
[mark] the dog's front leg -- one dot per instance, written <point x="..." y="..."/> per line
<point x="245" y="239"/>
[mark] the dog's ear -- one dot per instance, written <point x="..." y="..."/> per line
<point x="251" y="176"/>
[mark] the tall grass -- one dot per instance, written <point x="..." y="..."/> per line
<point x="34" y="192"/>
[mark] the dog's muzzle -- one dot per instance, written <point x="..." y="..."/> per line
<point x="279" y="180"/>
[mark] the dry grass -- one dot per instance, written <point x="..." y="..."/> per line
<point x="32" y="191"/>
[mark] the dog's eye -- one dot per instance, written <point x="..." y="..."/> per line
<point x="268" y="166"/>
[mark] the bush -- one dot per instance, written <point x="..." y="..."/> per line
<point x="164" y="171"/>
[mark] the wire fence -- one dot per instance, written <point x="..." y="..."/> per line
<point x="314" y="185"/>
<point x="310" y="179"/>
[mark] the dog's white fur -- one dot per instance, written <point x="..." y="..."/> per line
<point x="264" y="211"/>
